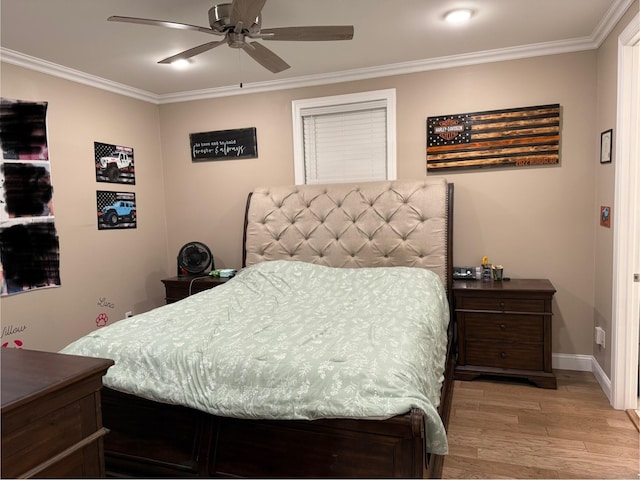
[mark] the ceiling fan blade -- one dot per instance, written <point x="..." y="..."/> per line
<point x="265" y="57"/>
<point x="192" y="52"/>
<point x="319" y="33"/>
<point x="162" y="23"/>
<point x="246" y="11"/>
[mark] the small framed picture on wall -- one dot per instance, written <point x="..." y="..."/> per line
<point x="605" y="216"/>
<point x="606" y="141"/>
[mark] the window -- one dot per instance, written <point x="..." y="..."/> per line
<point x="345" y="138"/>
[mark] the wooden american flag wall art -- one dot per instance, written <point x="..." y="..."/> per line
<point x="516" y="137"/>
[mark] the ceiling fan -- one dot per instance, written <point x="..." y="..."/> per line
<point x="242" y="20"/>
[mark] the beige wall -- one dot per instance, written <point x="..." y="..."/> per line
<point x="122" y="266"/>
<point x="538" y="222"/>
<point x="607" y="92"/>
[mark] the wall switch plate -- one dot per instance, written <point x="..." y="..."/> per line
<point x="600" y="336"/>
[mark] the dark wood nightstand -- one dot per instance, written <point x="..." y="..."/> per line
<point x="504" y="329"/>
<point x="177" y="288"/>
<point x="51" y="415"/>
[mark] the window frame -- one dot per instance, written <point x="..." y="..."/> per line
<point x="348" y="100"/>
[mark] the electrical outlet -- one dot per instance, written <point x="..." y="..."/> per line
<point x="128" y="314"/>
<point x="600" y="336"/>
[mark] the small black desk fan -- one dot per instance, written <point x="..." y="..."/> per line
<point x="194" y="258"/>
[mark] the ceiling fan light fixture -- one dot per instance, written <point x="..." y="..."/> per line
<point x="459" y="16"/>
<point x="181" y="63"/>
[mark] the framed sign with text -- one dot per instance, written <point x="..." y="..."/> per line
<point x="224" y="145"/>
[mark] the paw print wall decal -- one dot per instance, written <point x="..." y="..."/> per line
<point x="101" y="320"/>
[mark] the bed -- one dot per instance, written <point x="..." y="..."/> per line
<point x="329" y="355"/>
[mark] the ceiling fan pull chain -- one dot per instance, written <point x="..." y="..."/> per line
<point x="240" y="66"/>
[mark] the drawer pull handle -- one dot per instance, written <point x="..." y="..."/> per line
<point x="503" y="355"/>
<point x="502" y="305"/>
<point x="503" y="326"/>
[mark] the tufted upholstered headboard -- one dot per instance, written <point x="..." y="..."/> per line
<point x="374" y="224"/>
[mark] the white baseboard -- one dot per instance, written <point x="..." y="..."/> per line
<point x="603" y="380"/>
<point x="580" y="363"/>
<point x="583" y="363"/>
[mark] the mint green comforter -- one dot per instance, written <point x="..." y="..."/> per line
<point x="290" y="340"/>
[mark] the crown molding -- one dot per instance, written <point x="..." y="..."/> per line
<point x="610" y="20"/>
<point x="43" y="66"/>
<point x="604" y="27"/>
<point x="452" y="61"/>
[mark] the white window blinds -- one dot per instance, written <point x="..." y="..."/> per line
<point x="347" y="138"/>
<point x="345" y="146"/>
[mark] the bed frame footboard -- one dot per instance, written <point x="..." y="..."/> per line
<point x="152" y="440"/>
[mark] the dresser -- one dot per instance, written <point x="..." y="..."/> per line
<point x="504" y="329"/>
<point x="177" y="288"/>
<point x="51" y="415"/>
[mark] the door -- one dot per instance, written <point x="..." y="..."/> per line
<point x="626" y="301"/>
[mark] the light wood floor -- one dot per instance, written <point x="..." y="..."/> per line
<point x="507" y="429"/>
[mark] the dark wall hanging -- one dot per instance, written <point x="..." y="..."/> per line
<point x="224" y="145"/>
<point x="516" y="137"/>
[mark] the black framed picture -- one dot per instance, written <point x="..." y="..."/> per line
<point x="114" y="163"/>
<point x="606" y="143"/>
<point x="224" y="145"/>
<point x="116" y="210"/>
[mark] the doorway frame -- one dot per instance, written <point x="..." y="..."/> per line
<point x="626" y="292"/>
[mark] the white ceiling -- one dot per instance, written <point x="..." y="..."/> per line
<point x="72" y="38"/>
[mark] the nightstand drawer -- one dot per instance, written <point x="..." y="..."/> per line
<point x="496" y="303"/>
<point x="524" y="357"/>
<point x="504" y="328"/>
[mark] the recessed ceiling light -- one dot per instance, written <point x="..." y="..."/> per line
<point x="180" y="64"/>
<point x="461" y="15"/>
